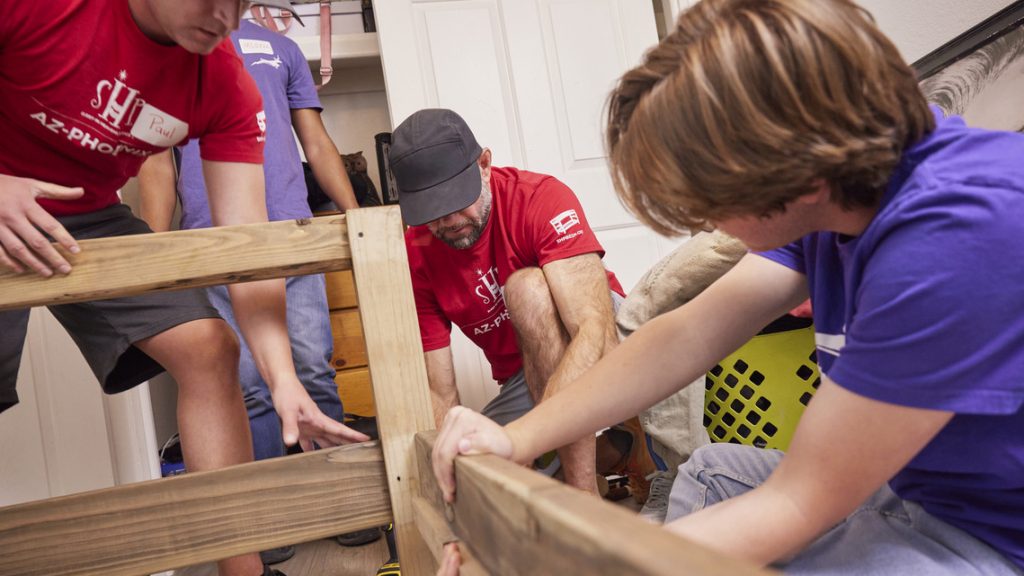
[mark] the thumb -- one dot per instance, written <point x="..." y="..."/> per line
<point x="475" y="444"/>
<point x="289" y="429"/>
<point x="56" y="192"/>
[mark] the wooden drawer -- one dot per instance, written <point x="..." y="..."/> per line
<point x="341" y="290"/>
<point x="356" y="391"/>
<point x="349" y="345"/>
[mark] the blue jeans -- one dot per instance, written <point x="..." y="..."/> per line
<point x="309" y="327"/>
<point x="885" y="535"/>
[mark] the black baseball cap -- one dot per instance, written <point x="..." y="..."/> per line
<point x="434" y="161"/>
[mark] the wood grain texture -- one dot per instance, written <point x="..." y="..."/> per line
<point x="349" y="345"/>
<point x="396" y="356"/>
<point x="516" y="521"/>
<point x="436" y="533"/>
<point x="132" y="265"/>
<point x="356" y="391"/>
<point x="197" y="517"/>
<point x="341" y="290"/>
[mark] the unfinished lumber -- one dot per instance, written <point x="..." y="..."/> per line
<point x="397" y="371"/>
<point x="132" y="265"/>
<point x="516" y="521"/>
<point x="197" y="517"/>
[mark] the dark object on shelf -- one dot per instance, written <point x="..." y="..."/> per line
<point x="364" y="189"/>
<point x="355" y="166"/>
<point x="388" y="189"/>
<point x="369" y="24"/>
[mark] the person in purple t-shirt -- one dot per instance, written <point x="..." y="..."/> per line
<point x="290" y="101"/>
<point x="795" y="126"/>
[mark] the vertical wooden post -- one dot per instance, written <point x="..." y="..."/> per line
<point x="399" y="376"/>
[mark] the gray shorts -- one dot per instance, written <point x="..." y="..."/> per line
<point x="105" y="330"/>
<point x="513" y="400"/>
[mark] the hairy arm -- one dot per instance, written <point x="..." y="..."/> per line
<point x="157" y="195"/>
<point x="323" y="157"/>
<point x="845" y="447"/>
<point x="662" y="356"/>
<point x="444" y="394"/>
<point x="579" y="287"/>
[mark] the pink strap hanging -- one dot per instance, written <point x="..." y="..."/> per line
<point x="326" y="69"/>
<point x="264" y="18"/>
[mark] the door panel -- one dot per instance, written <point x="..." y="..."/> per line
<point x="531" y="78"/>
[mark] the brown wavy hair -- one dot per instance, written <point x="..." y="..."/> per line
<point x="749" y="104"/>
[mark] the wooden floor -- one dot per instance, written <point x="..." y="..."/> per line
<point x="321" y="557"/>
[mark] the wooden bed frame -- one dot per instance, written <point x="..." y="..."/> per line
<point x="510" y="520"/>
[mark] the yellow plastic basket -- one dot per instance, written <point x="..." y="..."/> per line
<point x="756" y="395"/>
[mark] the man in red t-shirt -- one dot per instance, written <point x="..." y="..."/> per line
<point x="88" y="90"/>
<point x="508" y="256"/>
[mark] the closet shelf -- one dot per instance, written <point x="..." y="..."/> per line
<point x="347" y="50"/>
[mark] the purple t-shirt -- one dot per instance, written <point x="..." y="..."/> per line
<point x="926" y="308"/>
<point x="284" y="80"/>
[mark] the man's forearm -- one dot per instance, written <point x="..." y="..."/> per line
<point x="329" y="171"/>
<point x="260" y="311"/>
<point x="442" y="401"/>
<point x="593" y="340"/>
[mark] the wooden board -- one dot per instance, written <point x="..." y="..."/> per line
<point x="197" y="517"/>
<point x="349" y="344"/>
<point x="341" y="290"/>
<point x="516" y="521"/>
<point x="356" y="391"/>
<point x="399" y="374"/>
<point x="131" y="265"/>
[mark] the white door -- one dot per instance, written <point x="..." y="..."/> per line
<point x="65" y="435"/>
<point x="531" y="79"/>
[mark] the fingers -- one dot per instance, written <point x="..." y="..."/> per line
<point x="445" y="449"/>
<point x="290" y="430"/>
<point x="47" y="223"/>
<point x="450" y="561"/>
<point x="23" y="223"/>
<point x="56" y="192"/>
<point x="42" y="219"/>
<point x="22" y="246"/>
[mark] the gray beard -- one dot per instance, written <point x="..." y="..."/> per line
<point x="476" y="224"/>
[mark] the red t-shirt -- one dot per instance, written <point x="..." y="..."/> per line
<point x="535" y="219"/>
<point x="85" y="97"/>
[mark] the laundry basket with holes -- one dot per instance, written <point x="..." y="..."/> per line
<point x="756" y="395"/>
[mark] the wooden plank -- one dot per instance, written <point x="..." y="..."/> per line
<point x="197" y="517"/>
<point x="132" y="265"/>
<point x="436" y="534"/>
<point x="516" y="521"/>
<point x="341" y="290"/>
<point x="349" y="345"/>
<point x="394" y="350"/>
<point x="430" y="509"/>
<point x="356" y="391"/>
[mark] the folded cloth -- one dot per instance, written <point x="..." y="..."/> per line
<point x="676" y="424"/>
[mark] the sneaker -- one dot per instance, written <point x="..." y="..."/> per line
<point x="656" y="507"/>
<point x="277" y="555"/>
<point x="638" y="464"/>
<point x="390" y="569"/>
<point x="359" y="537"/>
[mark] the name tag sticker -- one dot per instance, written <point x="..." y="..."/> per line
<point x="250" y="46"/>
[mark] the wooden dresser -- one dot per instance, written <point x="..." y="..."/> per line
<point x="349" y="358"/>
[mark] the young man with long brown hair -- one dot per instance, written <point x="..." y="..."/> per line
<point x="795" y="126"/>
